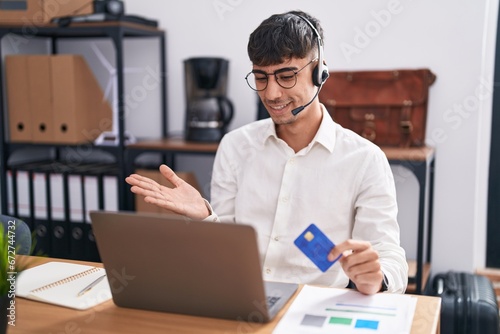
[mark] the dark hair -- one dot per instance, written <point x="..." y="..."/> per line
<point x="282" y="37"/>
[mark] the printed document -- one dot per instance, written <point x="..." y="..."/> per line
<point x="328" y="310"/>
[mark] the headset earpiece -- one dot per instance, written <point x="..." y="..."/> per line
<point x="320" y="72"/>
<point x="318" y="80"/>
<point x="315" y="76"/>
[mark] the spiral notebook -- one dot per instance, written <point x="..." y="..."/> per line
<point x="64" y="284"/>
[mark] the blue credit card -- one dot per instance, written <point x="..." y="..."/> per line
<point x="316" y="246"/>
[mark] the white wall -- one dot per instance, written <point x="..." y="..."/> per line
<point x="455" y="39"/>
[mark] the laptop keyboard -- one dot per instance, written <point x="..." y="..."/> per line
<point x="271" y="300"/>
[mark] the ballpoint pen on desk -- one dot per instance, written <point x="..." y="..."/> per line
<point x="90" y="286"/>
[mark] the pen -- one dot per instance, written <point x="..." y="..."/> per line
<point x="91" y="285"/>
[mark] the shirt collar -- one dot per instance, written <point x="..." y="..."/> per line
<point x="269" y="130"/>
<point x="326" y="134"/>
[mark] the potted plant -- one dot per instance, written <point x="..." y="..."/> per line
<point x="10" y="267"/>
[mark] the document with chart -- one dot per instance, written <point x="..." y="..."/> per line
<point x="328" y="310"/>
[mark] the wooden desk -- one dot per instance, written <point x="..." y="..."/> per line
<point x="36" y="317"/>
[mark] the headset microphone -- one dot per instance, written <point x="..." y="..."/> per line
<point x="299" y="109"/>
<point x="320" y="73"/>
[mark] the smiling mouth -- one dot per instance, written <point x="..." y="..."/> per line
<point x="278" y="106"/>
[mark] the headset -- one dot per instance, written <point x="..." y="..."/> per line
<point x="320" y="72"/>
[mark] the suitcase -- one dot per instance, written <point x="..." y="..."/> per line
<point x="468" y="303"/>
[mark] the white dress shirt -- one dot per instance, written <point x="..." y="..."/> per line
<point x="340" y="181"/>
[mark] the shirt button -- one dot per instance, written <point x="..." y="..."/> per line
<point x="291" y="161"/>
<point x="284" y="199"/>
<point x="276" y="238"/>
<point x="268" y="271"/>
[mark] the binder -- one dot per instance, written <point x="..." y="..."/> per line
<point x="91" y="250"/>
<point x="60" y="239"/>
<point x="10" y="194"/>
<point x="40" y="93"/>
<point x="91" y="189"/>
<point x="57" y="196"/>
<point x="77" y="217"/>
<point x="80" y="113"/>
<point x="42" y="214"/>
<point x="110" y="192"/>
<point x="23" y="204"/>
<point x="40" y="195"/>
<point x="43" y="237"/>
<point x="95" y="200"/>
<point x="75" y="198"/>
<point x="18" y="106"/>
<point x="77" y="243"/>
<point x="60" y="229"/>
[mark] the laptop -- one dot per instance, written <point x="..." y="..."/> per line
<point x="170" y="263"/>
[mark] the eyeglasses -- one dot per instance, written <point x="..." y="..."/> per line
<point x="285" y="77"/>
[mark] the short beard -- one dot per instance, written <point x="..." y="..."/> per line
<point x="283" y="121"/>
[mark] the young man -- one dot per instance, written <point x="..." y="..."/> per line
<point x="296" y="168"/>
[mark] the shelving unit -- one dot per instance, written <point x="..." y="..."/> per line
<point x="117" y="32"/>
<point x="420" y="161"/>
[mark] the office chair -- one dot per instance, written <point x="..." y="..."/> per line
<point x="22" y="236"/>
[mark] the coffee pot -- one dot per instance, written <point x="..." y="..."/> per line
<point x="208" y="110"/>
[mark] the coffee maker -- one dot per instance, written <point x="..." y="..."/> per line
<point x="208" y="110"/>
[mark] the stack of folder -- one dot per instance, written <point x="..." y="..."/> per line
<point x="55" y="199"/>
<point x="54" y="99"/>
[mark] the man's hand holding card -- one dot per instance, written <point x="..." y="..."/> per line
<point x="316" y="246"/>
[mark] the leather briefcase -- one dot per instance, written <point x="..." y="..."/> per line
<point x="388" y="108"/>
